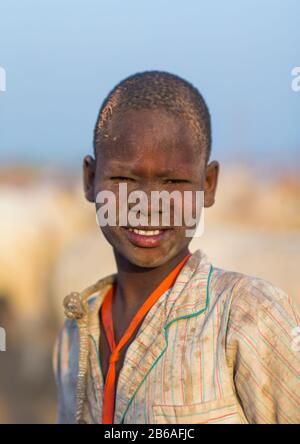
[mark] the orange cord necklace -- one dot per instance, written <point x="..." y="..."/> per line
<point x="107" y="321"/>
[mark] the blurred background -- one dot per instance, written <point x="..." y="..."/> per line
<point x="61" y="58"/>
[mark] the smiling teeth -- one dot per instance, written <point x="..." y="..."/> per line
<point x="144" y="233"/>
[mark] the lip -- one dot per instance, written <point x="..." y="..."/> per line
<point x="147" y="241"/>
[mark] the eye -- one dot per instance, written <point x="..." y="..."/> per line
<point x="172" y="181"/>
<point x="121" y="178"/>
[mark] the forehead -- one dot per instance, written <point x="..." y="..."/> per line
<point x="155" y="135"/>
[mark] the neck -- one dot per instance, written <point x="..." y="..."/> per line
<point x="135" y="284"/>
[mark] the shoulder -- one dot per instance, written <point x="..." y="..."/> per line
<point x="81" y="308"/>
<point x="250" y="291"/>
<point x="262" y="345"/>
<point x="78" y="305"/>
<point x="255" y="306"/>
<point x="264" y="300"/>
<point x="262" y="317"/>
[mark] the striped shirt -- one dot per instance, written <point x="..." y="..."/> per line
<point x="219" y="347"/>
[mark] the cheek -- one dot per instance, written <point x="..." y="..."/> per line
<point x="106" y="190"/>
<point x="114" y="236"/>
<point x="192" y="201"/>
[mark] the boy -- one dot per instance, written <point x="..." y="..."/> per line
<point x="170" y="338"/>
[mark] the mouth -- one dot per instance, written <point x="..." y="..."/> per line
<point x="146" y="237"/>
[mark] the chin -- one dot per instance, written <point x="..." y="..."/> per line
<point x="146" y="261"/>
<point x="148" y="257"/>
<point x="142" y="256"/>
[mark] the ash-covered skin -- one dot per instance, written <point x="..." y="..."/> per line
<point x="150" y="150"/>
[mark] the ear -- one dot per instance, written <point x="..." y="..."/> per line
<point x="210" y="185"/>
<point x="89" y="168"/>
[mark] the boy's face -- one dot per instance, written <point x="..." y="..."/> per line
<point x="149" y="150"/>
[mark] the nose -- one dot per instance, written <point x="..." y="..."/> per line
<point x="141" y="198"/>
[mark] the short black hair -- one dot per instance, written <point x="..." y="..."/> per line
<point x="153" y="90"/>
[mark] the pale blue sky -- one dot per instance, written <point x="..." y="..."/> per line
<point x="62" y="57"/>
